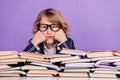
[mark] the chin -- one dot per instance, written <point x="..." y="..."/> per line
<point x="50" y="41"/>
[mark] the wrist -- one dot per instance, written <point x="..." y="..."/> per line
<point x="34" y="43"/>
<point x="63" y="40"/>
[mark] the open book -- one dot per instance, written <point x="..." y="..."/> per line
<point x="5" y="53"/>
<point x="104" y="58"/>
<point x="45" y="64"/>
<point x="52" y="56"/>
<point x="107" y="64"/>
<point x="73" y="74"/>
<point x="76" y="61"/>
<point x="8" y="55"/>
<point x="79" y="65"/>
<point x="99" y="53"/>
<point x="73" y="52"/>
<point x="42" y="73"/>
<point x="102" y="75"/>
<point x="64" y="59"/>
<point x="12" y="73"/>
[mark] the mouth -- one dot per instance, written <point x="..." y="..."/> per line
<point x="49" y="37"/>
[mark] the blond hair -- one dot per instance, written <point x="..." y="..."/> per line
<point x="54" y="17"/>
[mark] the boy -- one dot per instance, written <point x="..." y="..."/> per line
<point x="50" y="33"/>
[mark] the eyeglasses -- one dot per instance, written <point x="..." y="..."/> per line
<point x="44" y="27"/>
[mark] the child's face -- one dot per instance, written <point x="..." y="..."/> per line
<point x="49" y="34"/>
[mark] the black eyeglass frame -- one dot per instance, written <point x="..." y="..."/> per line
<point x="48" y="25"/>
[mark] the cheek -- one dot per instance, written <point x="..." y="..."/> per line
<point x="53" y="33"/>
<point x="44" y="33"/>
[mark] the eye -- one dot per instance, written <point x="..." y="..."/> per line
<point x="54" y="26"/>
<point x="43" y="26"/>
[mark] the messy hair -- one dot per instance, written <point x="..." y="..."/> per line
<point x="54" y="17"/>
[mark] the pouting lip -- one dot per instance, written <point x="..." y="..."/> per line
<point x="49" y="36"/>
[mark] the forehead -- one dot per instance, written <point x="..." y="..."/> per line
<point x="45" y="20"/>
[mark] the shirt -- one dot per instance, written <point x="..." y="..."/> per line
<point x="56" y="49"/>
<point x="52" y="49"/>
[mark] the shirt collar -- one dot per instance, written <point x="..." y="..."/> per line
<point x="45" y="47"/>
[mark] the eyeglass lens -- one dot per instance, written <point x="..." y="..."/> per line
<point x="44" y="27"/>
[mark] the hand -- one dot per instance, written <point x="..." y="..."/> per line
<point x="38" y="38"/>
<point x="60" y="36"/>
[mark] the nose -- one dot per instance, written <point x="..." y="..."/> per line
<point x="49" y="31"/>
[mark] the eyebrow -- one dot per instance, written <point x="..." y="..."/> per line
<point x="46" y="24"/>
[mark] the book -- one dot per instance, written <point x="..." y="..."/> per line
<point x="30" y="58"/>
<point x="9" y="75"/>
<point x="12" y="61"/>
<point x="4" y="66"/>
<point x="13" y="72"/>
<point x="102" y="69"/>
<point x="3" y="53"/>
<point x="102" y="75"/>
<point x="104" y="58"/>
<point x="40" y="57"/>
<point x="63" y="59"/>
<point x="99" y="53"/>
<point x="42" y="73"/>
<point x="9" y="56"/>
<point x="78" y="74"/>
<point x="31" y="54"/>
<point x="11" y="68"/>
<point x="45" y="64"/>
<point x="79" y="65"/>
<point x="24" y="67"/>
<point x="51" y="56"/>
<point x="32" y="67"/>
<point x="76" y="61"/>
<point x="77" y="70"/>
<point x="38" y="75"/>
<point x="72" y="52"/>
<point x="107" y="64"/>
<point x="105" y="72"/>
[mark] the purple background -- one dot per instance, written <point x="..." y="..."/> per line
<point x="94" y="24"/>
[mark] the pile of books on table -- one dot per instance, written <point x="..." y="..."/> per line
<point x="69" y="63"/>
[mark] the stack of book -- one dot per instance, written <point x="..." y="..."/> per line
<point x="100" y="63"/>
<point x="69" y="63"/>
<point x="9" y="63"/>
<point x="13" y="63"/>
